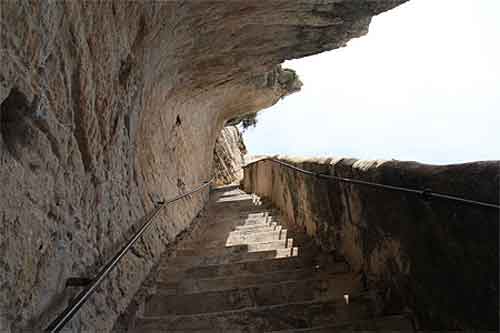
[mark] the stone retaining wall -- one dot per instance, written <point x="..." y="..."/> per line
<point x="438" y="259"/>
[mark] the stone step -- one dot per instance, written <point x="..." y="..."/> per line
<point x="261" y="319"/>
<point x="220" y="231"/>
<point x="343" y="282"/>
<point x="257" y="227"/>
<point x="319" y="288"/>
<point x="393" y="323"/>
<point x="253" y="222"/>
<point x="250" y="229"/>
<point x="258" y="213"/>
<point x="234" y="210"/>
<point x="235" y="197"/>
<point x="238" y="237"/>
<point x="217" y="194"/>
<point x="247" y="268"/>
<point x="223" y="204"/>
<point x="241" y="221"/>
<point x="236" y="249"/>
<point x="242" y="237"/>
<point x="185" y="262"/>
<point x="231" y="211"/>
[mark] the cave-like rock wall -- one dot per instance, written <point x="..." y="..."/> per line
<point x="229" y="156"/>
<point x="106" y="107"/>
<point x="436" y="258"/>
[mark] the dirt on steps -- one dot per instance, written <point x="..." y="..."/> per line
<point x="241" y="270"/>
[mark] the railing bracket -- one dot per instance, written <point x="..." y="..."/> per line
<point x="426" y="194"/>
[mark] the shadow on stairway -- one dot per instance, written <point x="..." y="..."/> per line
<point x="239" y="269"/>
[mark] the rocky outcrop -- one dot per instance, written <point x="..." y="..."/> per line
<point x="282" y="82"/>
<point x="229" y="156"/>
<point x="436" y="258"/>
<point x="106" y="107"/>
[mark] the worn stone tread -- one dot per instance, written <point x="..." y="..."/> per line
<point x="233" y="249"/>
<point x="239" y="254"/>
<point x="275" y="317"/>
<point x="229" y="224"/>
<point x="325" y="287"/>
<point x="239" y="237"/>
<point x="394" y="323"/>
<point x="250" y="267"/>
<point x="198" y="298"/>
<point x="220" y="231"/>
<point x="185" y="284"/>
<point x="252" y="228"/>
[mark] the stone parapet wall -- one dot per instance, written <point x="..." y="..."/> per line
<point x="436" y="258"/>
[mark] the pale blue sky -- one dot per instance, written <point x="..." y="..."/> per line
<point x="423" y="85"/>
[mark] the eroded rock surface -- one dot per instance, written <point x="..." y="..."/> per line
<point x="229" y="156"/>
<point x="106" y="107"/>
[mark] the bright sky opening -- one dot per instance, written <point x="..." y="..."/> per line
<point x="422" y="85"/>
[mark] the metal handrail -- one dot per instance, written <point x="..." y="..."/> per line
<point x="426" y="193"/>
<point x="58" y="323"/>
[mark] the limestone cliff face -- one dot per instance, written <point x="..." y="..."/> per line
<point x="106" y="107"/>
<point x="229" y="156"/>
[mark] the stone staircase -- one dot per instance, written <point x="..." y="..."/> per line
<point x="240" y="270"/>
